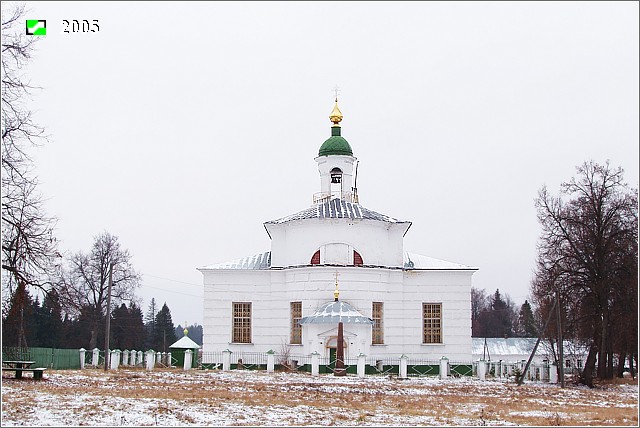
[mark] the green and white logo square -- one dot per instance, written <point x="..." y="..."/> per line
<point x="36" y="27"/>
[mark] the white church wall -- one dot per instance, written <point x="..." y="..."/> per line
<point x="401" y="292"/>
<point x="327" y="163"/>
<point x="294" y="243"/>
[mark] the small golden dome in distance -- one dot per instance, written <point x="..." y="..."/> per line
<point x="336" y="115"/>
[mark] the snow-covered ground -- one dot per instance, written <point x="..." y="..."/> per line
<point x="215" y="398"/>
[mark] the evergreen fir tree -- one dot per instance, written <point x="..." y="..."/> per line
<point x="150" y="325"/>
<point x="526" y="321"/>
<point x="119" y="320"/>
<point x="49" y="329"/>
<point x="165" y="331"/>
<point x="16" y="324"/>
<point x="137" y="331"/>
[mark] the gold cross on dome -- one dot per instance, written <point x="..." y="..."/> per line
<point x="336" y="91"/>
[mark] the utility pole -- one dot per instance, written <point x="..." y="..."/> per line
<point x="560" y="341"/>
<point x="521" y="379"/>
<point x="108" y="323"/>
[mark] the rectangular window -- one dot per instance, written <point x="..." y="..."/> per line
<point x="296" y="329"/>
<point x="377" y="333"/>
<point x="432" y="323"/>
<point x="241" y="322"/>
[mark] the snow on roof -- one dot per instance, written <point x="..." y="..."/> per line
<point x="501" y="346"/>
<point x="418" y="261"/>
<point x="498" y="346"/>
<point x="257" y="261"/>
<point x="185" y="343"/>
<point x="337" y="208"/>
<point x="335" y="312"/>
<point x="262" y="261"/>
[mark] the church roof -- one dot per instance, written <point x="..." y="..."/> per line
<point x="185" y="343"/>
<point x="418" y="261"/>
<point x="335" y="145"/>
<point x="335" y="312"/>
<point x="337" y="208"/>
<point x="257" y="261"/>
<point x="262" y="261"/>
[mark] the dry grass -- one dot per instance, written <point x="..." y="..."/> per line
<point x="350" y="401"/>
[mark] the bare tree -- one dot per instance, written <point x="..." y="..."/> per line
<point x="479" y="303"/>
<point x="588" y="255"/>
<point x="29" y="249"/>
<point x="86" y="281"/>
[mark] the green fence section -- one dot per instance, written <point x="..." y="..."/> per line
<point x="461" y="370"/>
<point x="56" y="359"/>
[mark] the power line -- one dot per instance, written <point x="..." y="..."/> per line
<point x="172" y="291"/>
<point x="173" y="280"/>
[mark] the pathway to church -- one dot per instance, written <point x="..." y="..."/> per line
<point x="169" y="397"/>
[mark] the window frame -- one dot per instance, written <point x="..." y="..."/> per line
<point x="295" y="312"/>
<point x="431" y="323"/>
<point x="241" y="323"/>
<point x="377" y="329"/>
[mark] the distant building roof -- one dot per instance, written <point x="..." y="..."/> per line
<point x="337" y="208"/>
<point x="335" y="312"/>
<point x="500" y="348"/>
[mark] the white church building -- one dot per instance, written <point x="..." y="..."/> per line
<point x="339" y="261"/>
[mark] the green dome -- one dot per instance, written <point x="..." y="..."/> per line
<point x="335" y="145"/>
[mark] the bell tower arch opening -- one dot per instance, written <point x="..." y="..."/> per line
<point x="336" y="183"/>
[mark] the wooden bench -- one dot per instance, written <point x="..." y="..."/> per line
<point x="37" y="372"/>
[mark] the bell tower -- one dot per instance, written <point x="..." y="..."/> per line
<point x="336" y="165"/>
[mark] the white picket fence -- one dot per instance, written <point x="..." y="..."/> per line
<point x="360" y="366"/>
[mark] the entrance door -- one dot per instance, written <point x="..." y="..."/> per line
<point x="332" y="358"/>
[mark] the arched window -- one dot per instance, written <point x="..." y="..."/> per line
<point x="315" y="260"/>
<point x="357" y="259"/>
<point x="336" y="183"/>
<point x="336" y="176"/>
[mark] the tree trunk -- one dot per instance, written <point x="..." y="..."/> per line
<point x="609" y="361"/>
<point x="93" y="342"/>
<point x="621" y="359"/>
<point x="586" y="378"/>
<point x="603" y="348"/>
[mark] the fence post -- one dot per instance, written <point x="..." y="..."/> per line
<point x="270" y="360"/>
<point x="82" y="351"/>
<point x="553" y="373"/>
<point x="169" y="362"/>
<point x="482" y="369"/>
<point x="444" y="367"/>
<point x="499" y="369"/>
<point x="140" y="358"/>
<point x="315" y="363"/>
<point x="95" y="357"/>
<point x="151" y="359"/>
<point x="403" y="366"/>
<point x="158" y="357"/>
<point x="125" y="357"/>
<point x="361" y="364"/>
<point x="226" y="360"/>
<point x="132" y="358"/>
<point x="187" y="360"/>
<point x="114" y="358"/>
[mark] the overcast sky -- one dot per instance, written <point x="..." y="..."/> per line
<point x="181" y="127"/>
